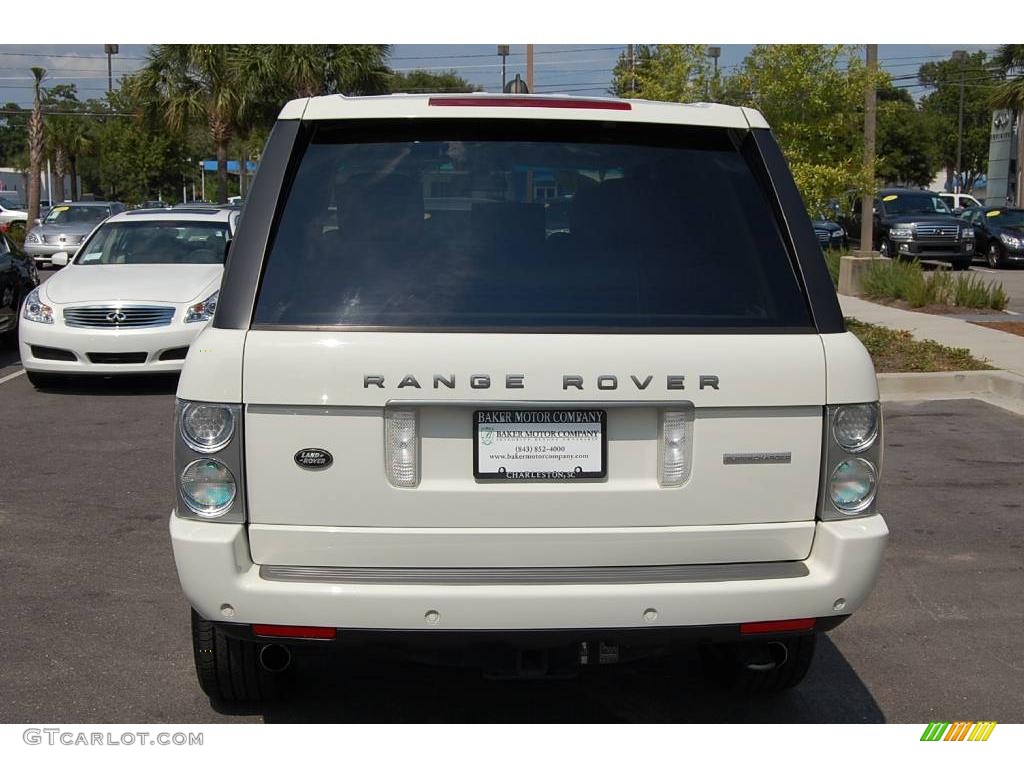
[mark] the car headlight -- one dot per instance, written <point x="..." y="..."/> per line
<point x="207" y="428"/>
<point x="967" y="234"/>
<point x="1011" y="241"/>
<point x="852" y="485"/>
<point x="35" y="310"/>
<point x="208" y="487"/>
<point x="905" y="232"/>
<point x="32" y="237"/>
<point x="204" y="310"/>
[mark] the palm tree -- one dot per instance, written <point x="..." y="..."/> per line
<point x="316" y="70"/>
<point x="36" y="145"/>
<point x="68" y="139"/>
<point x="1010" y="95"/>
<point x="276" y="74"/>
<point x="184" y="83"/>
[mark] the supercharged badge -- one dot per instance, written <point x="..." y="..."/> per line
<point x="314" y="458"/>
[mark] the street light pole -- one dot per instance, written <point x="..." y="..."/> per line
<point x="961" y="57"/>
<point x="110" y="50"/>
<point x="503" y="52"/>
<point x="867" y="200"/>
<point x="714" y="51"/>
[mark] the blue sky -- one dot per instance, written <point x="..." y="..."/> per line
<point x="583" y="69"/>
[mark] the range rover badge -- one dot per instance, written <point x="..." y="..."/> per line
<point x="314" y="458"/>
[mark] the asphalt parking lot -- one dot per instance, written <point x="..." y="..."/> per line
<point x="95" y="628"/>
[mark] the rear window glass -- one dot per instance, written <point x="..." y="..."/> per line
<point x="516" y="225"/>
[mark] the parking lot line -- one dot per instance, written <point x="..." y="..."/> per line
<point x="10" y="376"/>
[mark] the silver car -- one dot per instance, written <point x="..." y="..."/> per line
<point x="65" y="227"/>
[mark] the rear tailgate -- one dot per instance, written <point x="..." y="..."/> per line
<point x="308" y="389"/>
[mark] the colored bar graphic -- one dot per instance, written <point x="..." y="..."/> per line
<point x="960" y="730"/>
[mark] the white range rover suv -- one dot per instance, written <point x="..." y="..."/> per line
<point x="529" y="383"/>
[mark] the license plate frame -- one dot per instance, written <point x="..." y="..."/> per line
<point x="573" y="472"/>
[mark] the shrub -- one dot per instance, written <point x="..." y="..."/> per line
<point x="999" y="298"/>
<point x="890" y="279"/>
<point x="971" y="291"/>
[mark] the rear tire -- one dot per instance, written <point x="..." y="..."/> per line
<point x="760" y="668"/>
<point x="228" y="668"/>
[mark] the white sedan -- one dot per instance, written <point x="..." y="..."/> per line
<point x="132" y="299"/>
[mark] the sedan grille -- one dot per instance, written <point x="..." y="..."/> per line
<point x="118" y="317"/>
<point x="62" y="239"/>
<point x="937" y="232"/>
<point x="823" y="235"/>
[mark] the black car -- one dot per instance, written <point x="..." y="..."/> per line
<point x="917" y="224"/>
<point x="830" y="235"/>
<point x="18" y="276"/>
<point x="998" y="234"/>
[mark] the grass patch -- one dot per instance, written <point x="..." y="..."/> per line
<point x="897" y="351"/>
<point x="901" y="280"/>
<point x="832" y="257"/>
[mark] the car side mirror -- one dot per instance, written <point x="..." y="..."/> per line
<point x="958" y="211"/>
<point x="37" y="221"/>
<point x="59" y="259"/>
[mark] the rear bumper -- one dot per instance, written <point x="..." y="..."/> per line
<point x="222" y="583"/>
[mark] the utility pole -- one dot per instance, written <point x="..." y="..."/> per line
<point x="110" y="50"/>
<point x="632" y="70"/>
<point x="503" y="52"/>
<point x="529" y="67"/>
<point x="961" y="57"/>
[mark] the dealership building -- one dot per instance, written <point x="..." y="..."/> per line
<point x="1002" y="159"/>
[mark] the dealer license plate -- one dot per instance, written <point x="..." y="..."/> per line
<point x="544" y="444"/>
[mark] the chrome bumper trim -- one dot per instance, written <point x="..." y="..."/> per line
<point x="639" y="574"/>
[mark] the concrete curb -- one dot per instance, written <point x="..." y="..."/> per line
<point x="1000" y="388"/>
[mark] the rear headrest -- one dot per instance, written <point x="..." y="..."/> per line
<point x="380" y="207"/>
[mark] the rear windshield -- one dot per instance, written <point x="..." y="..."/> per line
<point x="156" y="242"/>
<point x="516" y="225"/>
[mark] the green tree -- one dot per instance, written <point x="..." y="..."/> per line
<point x="1010" y="95"/>
<point x="421" y="81"/>
<point x="665" y="73"/>
<point x="943" y="104"/>
<point x="66" y="136"/>
<point x="906" y="144"/>
<point x="14" y="135"/>
<point x="812" y="96"/>
<point x="180" y="84"/>
<point x="133" y="160"/>
<point x="36" y="144"/>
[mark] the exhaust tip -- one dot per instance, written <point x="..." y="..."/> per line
<point x="275" y="658"/>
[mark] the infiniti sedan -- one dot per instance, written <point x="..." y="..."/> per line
<point x="64" y="228"/>
<point x="132" y="300"/>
